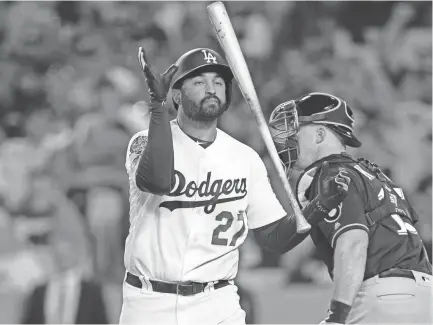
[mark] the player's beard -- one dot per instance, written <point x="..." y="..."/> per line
<point x="207" y="110"/>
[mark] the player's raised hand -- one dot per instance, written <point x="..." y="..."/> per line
<point x="158" y="84"/>
<point x="333" y="186"/>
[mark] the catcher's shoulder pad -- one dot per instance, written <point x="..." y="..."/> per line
<point x="352" y="167"/>
<point x="375" y="169"/>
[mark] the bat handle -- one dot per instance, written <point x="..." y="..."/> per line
<point x="302" y="225"/>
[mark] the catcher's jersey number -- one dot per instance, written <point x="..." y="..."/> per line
<point x="228" y="218"/>
<point x="404" y="226"/>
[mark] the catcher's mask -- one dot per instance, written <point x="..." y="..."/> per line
<point x="202" y="60"/>
<point x="314" y="108"/>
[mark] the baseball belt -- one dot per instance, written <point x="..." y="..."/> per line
<point x="390" y="273"/>
<point x="181" y="288"/>
<point x="397" y="273"/>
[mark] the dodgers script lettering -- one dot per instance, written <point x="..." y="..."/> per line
<point x="210" y="189"/>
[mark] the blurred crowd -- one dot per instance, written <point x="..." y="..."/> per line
<point x="72" y="94"/>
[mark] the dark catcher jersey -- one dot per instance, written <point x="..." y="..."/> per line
<point x="374" y="204"/>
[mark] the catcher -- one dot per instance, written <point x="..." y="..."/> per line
<point x="370" y="243"/>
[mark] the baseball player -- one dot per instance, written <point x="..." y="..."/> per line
<point x="370" y="242"/>
<point x="194" y="193"/>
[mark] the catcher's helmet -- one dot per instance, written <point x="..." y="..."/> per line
<point x="313" y="108"/>
<point x="202" y="60"/>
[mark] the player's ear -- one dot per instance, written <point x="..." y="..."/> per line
<point x="320" y="134"/>
<point x="176" y="95"/>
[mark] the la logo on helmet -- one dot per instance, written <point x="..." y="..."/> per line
<point x="209" y="57"/>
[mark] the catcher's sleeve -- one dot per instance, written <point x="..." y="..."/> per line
<point x="155" y="170"/>
<point x="350" y="215"/>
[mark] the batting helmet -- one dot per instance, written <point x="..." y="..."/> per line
<point x="202" y="60"/>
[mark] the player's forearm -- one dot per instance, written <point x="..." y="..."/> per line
<point x="350" y="256"/>
<point x="281" y="236"/>
<point x="155" y="170"/>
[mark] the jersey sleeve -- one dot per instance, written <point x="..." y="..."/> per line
<point x="136" y="146"/>
<point x="349" y="215"/>
<point x="263" y="205"/>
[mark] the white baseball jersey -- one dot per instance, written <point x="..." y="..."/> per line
<point x="193" y="233"/>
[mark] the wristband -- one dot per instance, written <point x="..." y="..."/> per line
<point x="155" y="104"/>
<point x="157" y="107"/>
<point x="338" y="312"/>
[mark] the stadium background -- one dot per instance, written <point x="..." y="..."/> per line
<point x="72" y="94"/>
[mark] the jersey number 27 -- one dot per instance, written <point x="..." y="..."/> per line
<point x="228" y="217"/>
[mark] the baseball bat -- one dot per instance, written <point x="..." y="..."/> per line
<point x="230" y="44"/>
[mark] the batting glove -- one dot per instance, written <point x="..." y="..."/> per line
<point x="158" y="84"/>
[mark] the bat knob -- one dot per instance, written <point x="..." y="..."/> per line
<point x="302" y="228"/>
